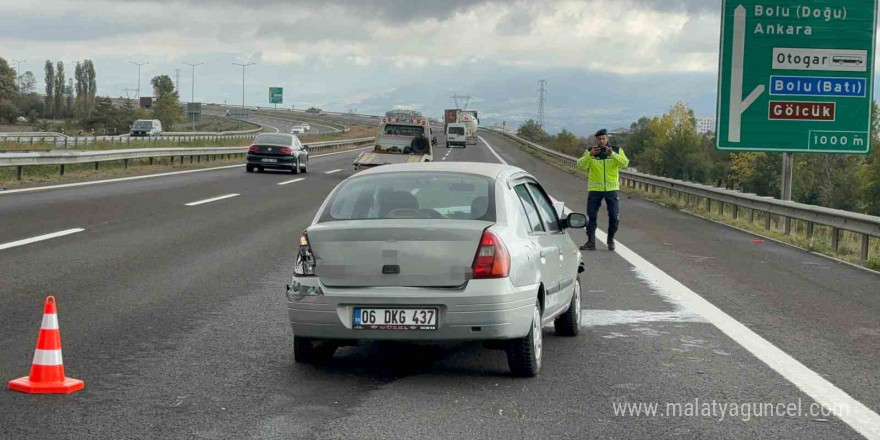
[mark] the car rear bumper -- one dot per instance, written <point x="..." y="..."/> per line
<point x="457" y="143"/>
<point x="482" y="310"/>
<point x="282" y="162"/>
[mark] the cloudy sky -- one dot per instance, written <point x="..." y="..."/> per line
<point x="606" y="62"/>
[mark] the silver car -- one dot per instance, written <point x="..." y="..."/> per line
<point x="437" y="252"/>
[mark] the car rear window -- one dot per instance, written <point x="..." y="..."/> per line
<point x="456" y="130"/>
<point x="422" y="195"/>
<point x="274" y="139"/>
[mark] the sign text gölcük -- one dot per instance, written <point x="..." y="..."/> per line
<point x="796" y="76"/>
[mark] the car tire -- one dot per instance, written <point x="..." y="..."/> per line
<point x="295" y="168"/>
<point x="305" y="168"/>
<point x="569" y="323"/>
<point x="524" y="355"/>
<point x="447" y="145"/>
<point x="249" y="168"/>
<point x="309" y="351"/>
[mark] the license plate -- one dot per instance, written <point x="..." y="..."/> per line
<point x="394" y="319"/>
<point x="270" y="160"/>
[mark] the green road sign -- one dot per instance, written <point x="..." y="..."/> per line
<point x="276" y="95"/>
<point x="796" y="76"/>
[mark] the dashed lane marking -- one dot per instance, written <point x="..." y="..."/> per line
<point x="292" y="181"/>
<point x="214" y="199"/>
<point x="17" y="243"/>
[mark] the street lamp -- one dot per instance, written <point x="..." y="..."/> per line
<point x="193" y="87"/>
<point x="193" y="92"/>
<point x="18" y="72"/>
<point x="242" y="80"/>
<point x="139" y="78"/>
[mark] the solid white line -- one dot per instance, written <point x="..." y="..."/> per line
<point x="492" y="150"/>
<point x="13" y="244"/>
<point x="201" y="202"/>
<point x="852" y="412"/>
<point x="148" y="176"/>
<point x="292" y="181"/>
<point x="333" y="171"/>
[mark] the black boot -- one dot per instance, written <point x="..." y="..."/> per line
<point x="610" y="242"/>
<point x="590" y="245"/>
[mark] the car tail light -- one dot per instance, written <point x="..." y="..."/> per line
<point x="253" y="149"/>
<point x="305" y="259"/>
<point x="492" y="259"/>
<point x="286" y="150"/>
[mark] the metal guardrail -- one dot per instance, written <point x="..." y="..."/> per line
<point x="838" y="220"/>
<point x="76" y="141"/>
<point x="62" y="158"/>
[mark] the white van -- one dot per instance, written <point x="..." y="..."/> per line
<point x="146" y="127"/>
<point x="456" y="134"/>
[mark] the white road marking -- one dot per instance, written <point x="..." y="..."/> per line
<point x="202" y="202"/>
<point x="492" y="150"/>
<point x="13" y="244"/>
<point x="852" y="412"/>
<point x="333" y="171"/>
<point x="292" y="181"/>
<point x="148" y="176"/>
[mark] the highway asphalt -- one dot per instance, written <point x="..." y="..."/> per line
<point x="174" y="316"/>
<point x="280" y="120"/>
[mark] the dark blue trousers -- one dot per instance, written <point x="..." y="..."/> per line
<point x="612" y="202"/>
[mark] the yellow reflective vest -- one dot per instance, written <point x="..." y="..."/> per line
<point x="603" y="175"/>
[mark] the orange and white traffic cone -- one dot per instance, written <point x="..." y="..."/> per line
<point x="47" y="369"/>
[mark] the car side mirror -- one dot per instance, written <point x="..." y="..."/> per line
<point x="306" y="147"/>
<point x="574" y="220"/>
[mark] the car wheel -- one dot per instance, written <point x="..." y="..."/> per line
<point x="309" y="351"/>
<point x="249" y="168"/>
<point x="569" y="323"/>
<point x="295" y="168"/>
<point x="524" y="354"/>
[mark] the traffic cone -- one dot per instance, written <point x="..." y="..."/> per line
<point x="47" y="369"/>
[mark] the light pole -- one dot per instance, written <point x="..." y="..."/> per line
<point x="242" y="80"/>
<point x="139" y="78"/>
<point x="193" y="87"/>
<point x="18" y="72"/>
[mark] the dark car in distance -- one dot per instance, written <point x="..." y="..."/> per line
<point x="277" y="151"/>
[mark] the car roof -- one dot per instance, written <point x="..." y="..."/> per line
<point x="491" y="170"/>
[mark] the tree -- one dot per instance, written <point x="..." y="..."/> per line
<point x="92" y="82"/>
<point x="8" y="111"/>
<point x="81" y="82"/>
<point x="59" y="90"/>
<point x="28" y="82"/>
<point x="533" y="132"/>
<point x="49" y="68"/>
<point x="8" y="86"/>
<point x="167" y="106"/>
<point x="162" y="86"/>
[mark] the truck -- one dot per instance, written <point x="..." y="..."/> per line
<point x="400" y="139"/>
<point x="469" y="118"/>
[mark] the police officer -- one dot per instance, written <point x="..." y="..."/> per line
<point x="602" y="162"/>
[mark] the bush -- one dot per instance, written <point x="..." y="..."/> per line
<point x="8" y="111"/>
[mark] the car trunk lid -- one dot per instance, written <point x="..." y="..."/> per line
<point x="410" y="252"/>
